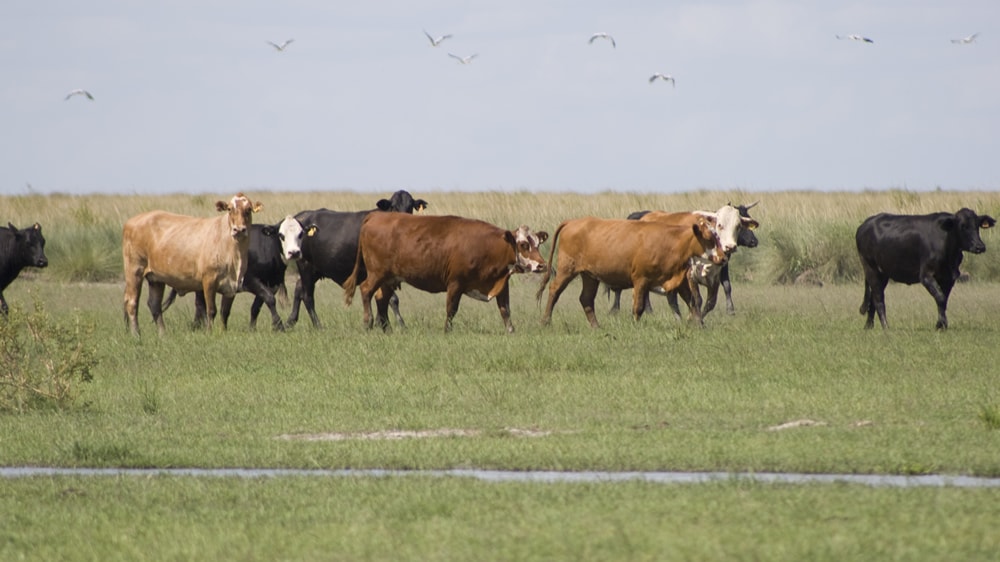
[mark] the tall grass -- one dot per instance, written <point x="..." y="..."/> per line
<point x="804" y="235"/>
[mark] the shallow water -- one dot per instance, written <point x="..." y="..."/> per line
<point x="876" y="480"/>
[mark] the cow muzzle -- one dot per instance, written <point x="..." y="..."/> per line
<point x="293" y="255"/>
<point x="239" y="232"/>
<point x="42" y="262"/>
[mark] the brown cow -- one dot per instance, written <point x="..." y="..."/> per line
<point x="187" y="253"/>
<point x="441" y="254"/>
<point x="624" y="253"/>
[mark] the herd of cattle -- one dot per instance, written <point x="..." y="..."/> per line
<point x="375" y="251"/>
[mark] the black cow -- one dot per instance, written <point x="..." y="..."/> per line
<point x="925" y="249"/>
<point x="271" y="247"/>
<point x="331" y="249"/>
<point x="19" y="249"/>
<point x="745" y="238"/>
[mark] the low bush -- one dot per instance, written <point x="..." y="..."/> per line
<point x="42" y="362"/>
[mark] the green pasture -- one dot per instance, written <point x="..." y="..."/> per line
<point x="791" y="383"/>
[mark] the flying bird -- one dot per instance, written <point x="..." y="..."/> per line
<point x="463" y="60"/>
<point x="79" y="92"/>
<point x="856" y="38"/>
<point x="602" y="35"/>
<point x="665" y="77"/>
<point x="436" y="41"/>
<point x="282" y="46"/>
<point x="966" y="40"/>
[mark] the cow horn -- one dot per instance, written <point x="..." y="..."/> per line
<point x="752" y="205"/>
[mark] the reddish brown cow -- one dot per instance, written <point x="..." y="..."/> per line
<point x="622" y="254"/>
<point x="187" y="253"/>
<point x="441" y="254"/>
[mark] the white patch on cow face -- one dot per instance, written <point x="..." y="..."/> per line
<point x="526" y="248"/>
<point x="727" y="227"/>
<point x="290" y="233"/>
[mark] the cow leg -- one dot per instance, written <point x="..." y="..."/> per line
<point x="155" y="303"/>
<point x="616" y="304"/>
<point x="293" y="317"/>
<point x="133" y="291"/>
<point x="367" y="288"/>
<point x="940" y="292"/>
<point x="878" y="303"/>
<point x="727" y="288"/>
<point x="394" y="305"/>
<point x="640" y="294"/>
<point x="588" y="294"/>
<point x="305" y="292"/>
<point x="451" y="304"/>
<point x="262" y="295"/>
<point x="713" y="294"/>
<point x="199" y="309"/>
<point x="383" y="298"/>
<point x="210" y="310"/>
<point x="689" y="292"/>
<point x="672" y="302"/>
<point x="503" y="303"/>
<point x="226" y="308"/>
<point x="555" y="289"/>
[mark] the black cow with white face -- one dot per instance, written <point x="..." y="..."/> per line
<point x="19" y="249"/>
<point x="925" y="249"/>
<point x="330" y="249"/>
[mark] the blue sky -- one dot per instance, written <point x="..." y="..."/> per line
<point x="189" y="97"/>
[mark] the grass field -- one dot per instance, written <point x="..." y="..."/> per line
<point x="652" y="395"/>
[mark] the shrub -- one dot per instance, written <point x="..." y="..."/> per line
<point x="41" y="362"/>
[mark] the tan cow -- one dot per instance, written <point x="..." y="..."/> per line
<point x="186" y="253"/>
<point x="624" y="253"/>
<point x="441" y="254"/>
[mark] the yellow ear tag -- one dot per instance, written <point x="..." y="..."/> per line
<point x="311" y="231"/>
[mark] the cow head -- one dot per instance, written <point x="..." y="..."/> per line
<point x="966" y="223"/>
<point x="30" y="245"/>
<point x="240" y="211"/>
<point x="290" y="233"/>
<point x="746" y="237"/>
<point x="402" y="202"/>
<point x="706" y="231"/>
<point x="525" y="242"/>
<point x="729" y="223"/>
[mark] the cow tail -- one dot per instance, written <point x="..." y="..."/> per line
<point x="548" y="270"/>
<point x="352" y="282"/>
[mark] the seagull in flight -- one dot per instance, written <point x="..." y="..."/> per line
<point x="463" y="60"/>
<point x="79" y="92"/>
<point x="966" y="40"/>
<point x="282" y="46"/>
<point x="856" y="38"/>
<point x="664" y="77"/>
<point x="436" y="41"/>
<point x="602" y="35"/>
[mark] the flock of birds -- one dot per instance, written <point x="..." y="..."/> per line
<point x="603" y="35"/>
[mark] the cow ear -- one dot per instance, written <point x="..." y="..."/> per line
<point x="221" y="206"/>
<point x="12" y="228"/>
<point x="269" y="230"/>
<point x="311" y="231"/>
<point x="750" y="223"/>
<point x="509" y="237"/>
<point x="258" y="207"/>
<point x="420" y="205"/>
<point x="38" y="227"/>
<point x="986" y="221"/>
<point x="542" y="237"/>
<point x="384" y="204"/>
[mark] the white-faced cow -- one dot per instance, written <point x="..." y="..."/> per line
<point x="622" y="253"/>
<point x="925" y="249"/>
<point x="271" y="248"/>
<point x="331" y="248"/>
<point x="437" y="254"/>
<point x="19" y="249"/>
<point x="703" y="271"/>
<point x="186" y="253"/>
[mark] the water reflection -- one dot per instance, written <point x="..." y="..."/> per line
<point x="524" y="476"/>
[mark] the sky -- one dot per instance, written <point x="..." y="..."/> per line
<point x="190" y="98"/>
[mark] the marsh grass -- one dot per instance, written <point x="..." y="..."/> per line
<point x="801" y="232"/>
